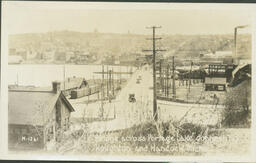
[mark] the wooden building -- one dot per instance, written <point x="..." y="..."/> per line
<point x="218" y="76"/>
<point x="36" y="118"/>
<point x="73" y="83"/>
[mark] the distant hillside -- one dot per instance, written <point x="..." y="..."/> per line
<point x="117" y="44"/>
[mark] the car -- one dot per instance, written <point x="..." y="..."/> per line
<point x="132" y="98"/>
<point x="138" y="81"/>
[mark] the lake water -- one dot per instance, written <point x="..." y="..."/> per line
<point x="43" y="75"/>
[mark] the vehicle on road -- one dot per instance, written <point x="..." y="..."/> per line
<point x="132" y="98"/>
<point x="138" y="81"/>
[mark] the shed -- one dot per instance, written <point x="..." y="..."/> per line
<point x="36" y="117"/>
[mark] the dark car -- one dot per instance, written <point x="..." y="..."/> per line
<point x="132" y="98"/>
<point x="138" y="81"/>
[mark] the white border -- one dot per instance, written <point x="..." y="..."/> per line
<point x="121" y="6"/>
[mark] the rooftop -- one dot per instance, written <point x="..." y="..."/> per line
<point x="32" y="106"/>
<point x="73" y="82"/>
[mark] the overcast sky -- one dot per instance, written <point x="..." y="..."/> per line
<point x="30" y="17"/>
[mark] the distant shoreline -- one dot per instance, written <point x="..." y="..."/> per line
<point x="89" y="64"/>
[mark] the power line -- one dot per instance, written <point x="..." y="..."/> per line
<point x="173" y="79"/>
<point x="154" y="51"/>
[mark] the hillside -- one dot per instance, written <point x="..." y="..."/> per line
<point x="110" y="44"/>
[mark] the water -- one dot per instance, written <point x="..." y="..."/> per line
<point x="43" y="75"/>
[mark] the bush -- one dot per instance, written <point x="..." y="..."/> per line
<point x="166" y="129"/>
<point x="240" y="118"/>
<point x="237" y="111"/>
<point x="192" y="129"/>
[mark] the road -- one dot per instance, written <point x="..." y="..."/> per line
<point x="128" y="114"/>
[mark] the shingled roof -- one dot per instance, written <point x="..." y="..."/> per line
<point x="32" y="107"/>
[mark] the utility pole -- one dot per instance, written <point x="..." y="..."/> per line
<point x="113" y="80"/>
<point x="167" y="82"/>
<point x="102" y="93"/>
<point x="154" y="50"/>
<point x="189" y="83"/>
<point x="173" y="79"/>
<point x="103" y="82"/>
<point x="160" y="71"/>
<point x="64" y="76"/>
<point x="164" y="83"/>
<point x="110" y="85"/>
<point x="107" y="82"/>
<point x="120" y="74"/>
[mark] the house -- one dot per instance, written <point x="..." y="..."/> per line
<point x="73" y="83"/>
<point x="36" y="118"/>
<point x="49" y="55"/>
<point x="109" y="60"/>
<point x="70" y="56"/>
<point x="59" y="56"/>
<point x="83" y="57"/>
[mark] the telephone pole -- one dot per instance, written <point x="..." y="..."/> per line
<point x="167" y="82"/>
<point x="154" y="51"/>
<point x="173" y="79"/>
<point x="113" y="82"/>
<point x="107" y="82"/>
<point x="103" y="82"/>
<point x="102" y="93"/>
<point x="64" y="76"/>
<point x="190" y="73"/>
<point x="160" y="71"/>
<point x="110" y="85"/>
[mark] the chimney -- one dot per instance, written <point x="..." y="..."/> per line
<point x="56" y="87"/>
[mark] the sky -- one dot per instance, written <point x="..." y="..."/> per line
<point x="36" y="17"/>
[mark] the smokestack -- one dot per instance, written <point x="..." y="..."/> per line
<point x="56" y="87"/>
<point x="235" y="43"/>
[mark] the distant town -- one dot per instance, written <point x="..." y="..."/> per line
<point x="71" y="47"/>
